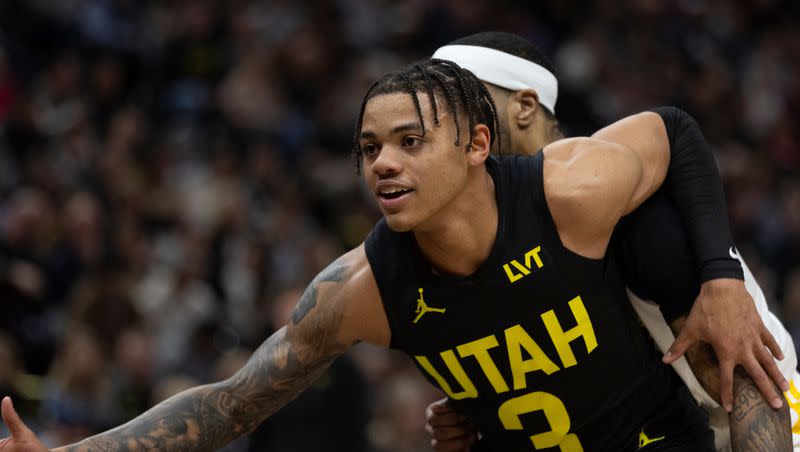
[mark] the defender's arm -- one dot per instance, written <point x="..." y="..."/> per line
<point x="590" y="183"/>
<point x="671" y="140"/>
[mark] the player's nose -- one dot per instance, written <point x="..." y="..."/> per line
<point x="388" y="162"/>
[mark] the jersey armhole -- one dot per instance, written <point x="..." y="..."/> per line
<point x="381" y="281"/>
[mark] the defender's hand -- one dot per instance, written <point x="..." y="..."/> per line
<point x="725" y="316"/>
<point x="450" y="431"/>
<point x="22" y="438"/>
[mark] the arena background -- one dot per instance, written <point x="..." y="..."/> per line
<point x="172" y="174"/>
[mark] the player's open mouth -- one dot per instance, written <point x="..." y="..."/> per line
<point x="394" y="193"/>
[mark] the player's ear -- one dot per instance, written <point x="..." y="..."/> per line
<point x="525" y="102"/>
<point x="480" y="145"/>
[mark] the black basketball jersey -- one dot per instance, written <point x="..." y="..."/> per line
<point x="540" y="347"/>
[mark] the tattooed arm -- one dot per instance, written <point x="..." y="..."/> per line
<point x="339" y="307"/>
<point x="755" y="425"/>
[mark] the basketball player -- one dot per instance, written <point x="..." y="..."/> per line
<point x="512" y="348"/>
<point x="656" y="258"/>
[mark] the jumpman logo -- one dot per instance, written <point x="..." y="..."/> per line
<point x="423" y="308"/>
<point x="644" y="440"/>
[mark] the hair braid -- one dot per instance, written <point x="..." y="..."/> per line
<point x="450" y="95"/>
<point x="413" y="93"/>
<point x="469" y="99"/>
<point x="429" y="89"/>
<point x="357" y="150"/>
<point x="464" y="93"/>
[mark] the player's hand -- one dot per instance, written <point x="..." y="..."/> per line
<point x="22" y="438"/>
<point x="725" y="316"/>
<point x="450" y="431"/>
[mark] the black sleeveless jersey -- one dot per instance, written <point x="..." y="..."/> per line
<point x="540" y="347"/>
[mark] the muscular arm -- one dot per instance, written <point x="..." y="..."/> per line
<point x="755" y="425"/>
<point x="591" y="182"/>
<point x="601" y="180"/>
<point x="207" y="417"/>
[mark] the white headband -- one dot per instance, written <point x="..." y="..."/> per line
<point x="504" y="70"/>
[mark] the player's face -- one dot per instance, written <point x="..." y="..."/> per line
<point x="413" y="177"/>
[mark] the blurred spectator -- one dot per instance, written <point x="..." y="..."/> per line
<point x="78" y="397"/>
<point x="396" y="426"/>
<point x="13" y="380"/>
<point x="7" y="86"/>
<point x="174" y="303"/>
<point x="133" y="371"/>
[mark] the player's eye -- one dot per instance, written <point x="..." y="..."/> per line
<point x="411" y="141"/>
<point x="370" y="149"/>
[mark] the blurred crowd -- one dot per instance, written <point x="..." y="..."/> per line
<point x="173" y="173"/>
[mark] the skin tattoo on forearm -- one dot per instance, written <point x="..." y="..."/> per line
<point x="755" y="425"/>
<point x="207" y="417"/>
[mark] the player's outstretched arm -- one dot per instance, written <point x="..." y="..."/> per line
<point x="207" y="417"/>
<point x="723" y="314"/>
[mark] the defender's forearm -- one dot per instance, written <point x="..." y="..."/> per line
<point x="695" y="184"/>
<point x="755" y="425"/>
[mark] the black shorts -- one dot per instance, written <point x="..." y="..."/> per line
<point x="681" y="425"/>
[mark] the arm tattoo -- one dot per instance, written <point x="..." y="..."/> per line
<point x="755" y="425"/>
<point x="334" y="273"/>
<point x="207" y="417"/>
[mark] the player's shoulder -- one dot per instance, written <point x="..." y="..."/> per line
<point x="352" y="269"/>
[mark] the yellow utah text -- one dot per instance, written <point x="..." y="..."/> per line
<point x="523" y="355"/>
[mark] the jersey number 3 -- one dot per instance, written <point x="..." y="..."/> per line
<point x="556" y="414"/>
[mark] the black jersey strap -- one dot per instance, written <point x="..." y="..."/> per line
<point x="390" y="262"/>
<point x="694" y="182"/>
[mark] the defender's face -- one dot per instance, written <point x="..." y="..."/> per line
<point x="524" y="127"/>
<point x="413" y="177"/>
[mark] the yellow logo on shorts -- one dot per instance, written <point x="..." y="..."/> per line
<point x="644" y="440"/>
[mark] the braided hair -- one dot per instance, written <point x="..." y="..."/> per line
<point x="463" y="91"/>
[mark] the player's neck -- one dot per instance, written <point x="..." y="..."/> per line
<point x="462" y="235"/>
